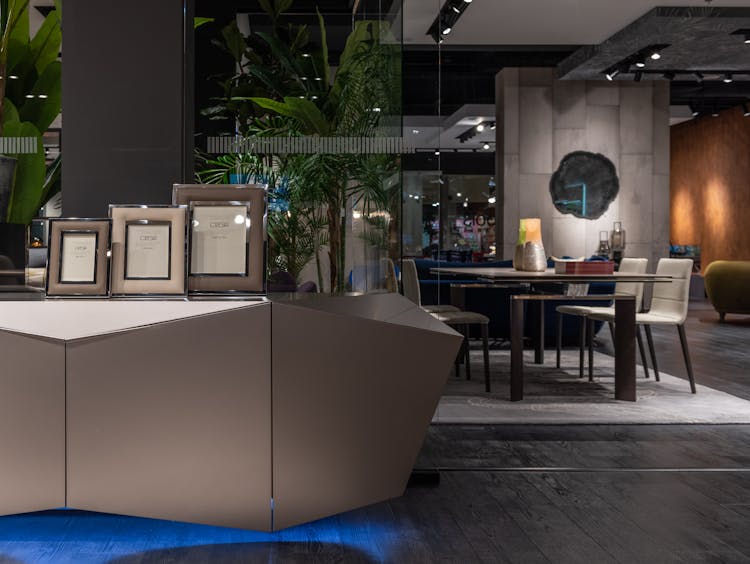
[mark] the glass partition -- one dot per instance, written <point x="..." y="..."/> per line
<point x="30" y="125"/>
<point x="307" y="102"/>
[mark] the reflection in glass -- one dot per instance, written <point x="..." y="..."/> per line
<point x="312" y="110"/>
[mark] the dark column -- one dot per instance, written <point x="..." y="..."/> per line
<point x="127" y="102"/>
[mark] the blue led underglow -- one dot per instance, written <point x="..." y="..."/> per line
<point x="81" y="537"/>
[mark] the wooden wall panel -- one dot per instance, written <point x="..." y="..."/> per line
<point x="710" y="186"/>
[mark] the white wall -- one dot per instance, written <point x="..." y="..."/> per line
<point x="544" y="119"/>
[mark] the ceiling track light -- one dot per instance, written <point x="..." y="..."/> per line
<point x="693" y="110"/>
<point x="745" y="109"/>
<point x="611" y="74"/>
<point x="447" y="18"/>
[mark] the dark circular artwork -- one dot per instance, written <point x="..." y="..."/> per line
<point x="584" y="184"/>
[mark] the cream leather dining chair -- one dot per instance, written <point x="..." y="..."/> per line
<point x="627" y="265"/>
<point x="669" y="306"/>
<point x="450" y="315"/>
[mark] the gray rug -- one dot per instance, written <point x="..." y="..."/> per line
<point x="558" y="396"/>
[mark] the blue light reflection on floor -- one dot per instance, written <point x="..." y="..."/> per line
<point x="62" y="536"/>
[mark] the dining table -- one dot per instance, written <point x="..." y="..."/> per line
<point x="625" y="326"/>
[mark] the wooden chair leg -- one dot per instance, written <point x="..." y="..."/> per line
<point x="581" y="345"/>
<point x="686" y="353"/>
<point x="468" y="364"/>
<point x="486" y="351"/>
<point x="641" y="348"/>
<point x="590" y="343"/>
<point x="559" y="338"/>
<point x="652" y="350"/>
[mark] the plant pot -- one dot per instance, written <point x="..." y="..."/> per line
<point x="7" y="169"/>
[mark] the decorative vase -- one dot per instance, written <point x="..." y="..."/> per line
<point x="518" y="255"/>
<point x="534" y="257"/>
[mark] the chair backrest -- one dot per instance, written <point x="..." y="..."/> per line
<point x="410" y="281"/>
<point x="671" y="298"/>
<point x="388" y="270"/>
<point x="632" y="266"/>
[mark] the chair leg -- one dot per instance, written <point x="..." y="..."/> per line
<point x="590" y="343"/>
<point x="559" y="338"/>
<point x="486" y="351"/>
<point x="652" y="350"/>
<point x="468" y="364"/>
<point x="460" y="353"/>
<point x="641" y="349"/>
<point x="686" y="353"/>
<point x="581" y="345"/>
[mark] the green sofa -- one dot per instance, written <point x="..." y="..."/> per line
<point x="728" y="286"/>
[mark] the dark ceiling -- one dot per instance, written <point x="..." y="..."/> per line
<point x="439" y="80"/>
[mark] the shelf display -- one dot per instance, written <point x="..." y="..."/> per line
<point x="148" y="250"/>
<point x="226" y="237"/>
<point x="77" y="261"/>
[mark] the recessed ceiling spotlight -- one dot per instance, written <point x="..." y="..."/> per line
<point x="306" y="55"/>
<point x="42" y="96"/>
<point x="480" y="127"/>
<point x="728" y="78"/>
<point x="655" y="55"/>
<point x="493" y="126"/>
<point x="29" y="95"/>
<point x="486" y="146"/>
<point x="467" y="1"/>
<point x="640" y="62"/>
<point x="455" y="9"/>
<point x="415" y="131"/>
<point x="13" y="77"/>
<point x="446" y="31"/>
<point x="437" y="152"/>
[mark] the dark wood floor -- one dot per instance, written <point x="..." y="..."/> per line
<point x="508" y="493"/>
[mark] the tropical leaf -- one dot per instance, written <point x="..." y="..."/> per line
<point x="198" y="21"/>
<point x="45" y="46"/>
<point x="10" y="113"/>
<point x="304" y="111"/>
<point x="43" y="111"/>
<point x="28" y="188"/>
<point x="234" y="42"/>
<point x="324" y="50"/>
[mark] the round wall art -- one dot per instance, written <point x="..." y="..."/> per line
<point x="584" y="184"/>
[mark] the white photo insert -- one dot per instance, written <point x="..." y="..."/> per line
<point x="78" y="257"/>
<point x="147" y="250"/>
<point x="219" y="240"/>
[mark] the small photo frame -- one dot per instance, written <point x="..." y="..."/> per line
<point x="78" y="257"/>
<point x="148" y="250"/>
<point x="227" y="251"/>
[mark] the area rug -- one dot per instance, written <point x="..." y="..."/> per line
<point x="558" y="396"/>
